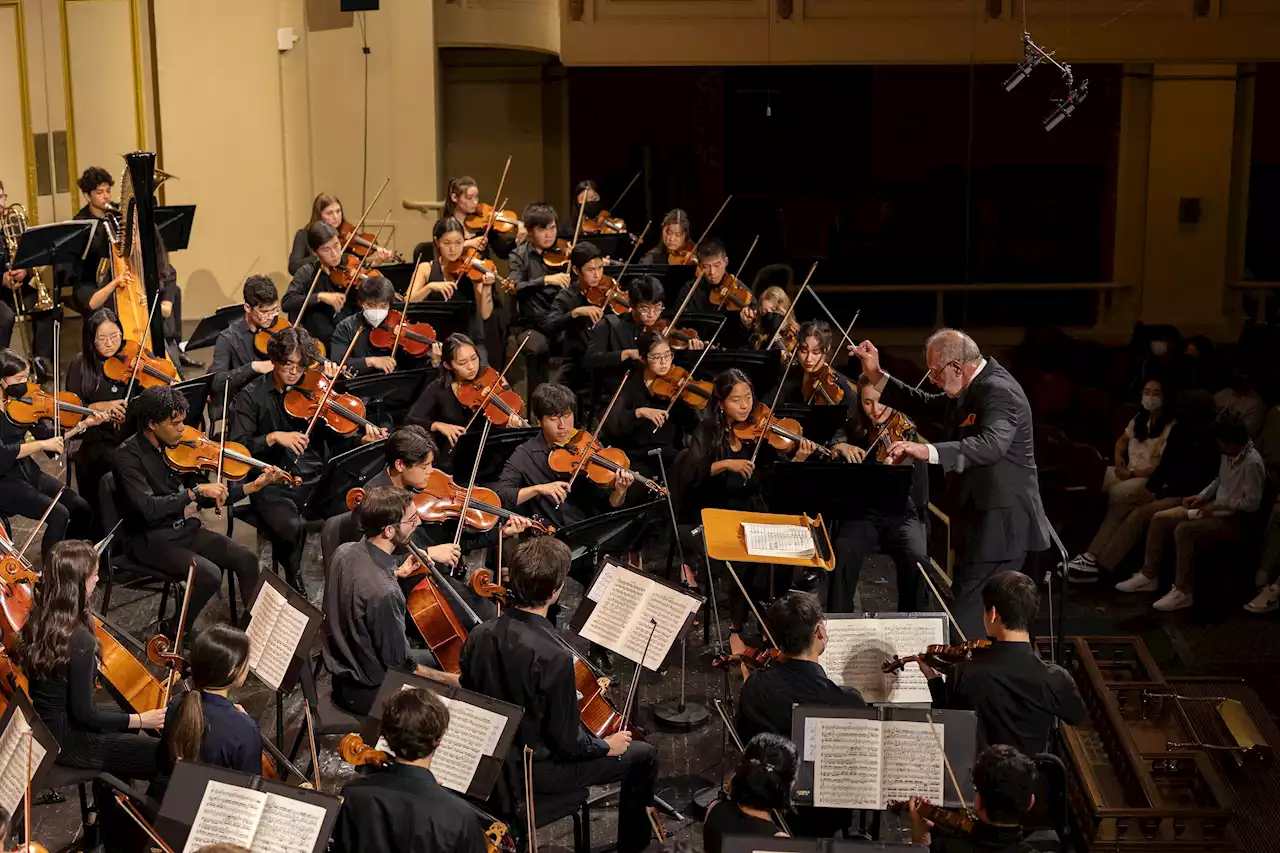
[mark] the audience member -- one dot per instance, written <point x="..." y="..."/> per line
<point x="1201" y="365"/>
<point x="1240" y="399"/>
<point x="1215" y="514"/>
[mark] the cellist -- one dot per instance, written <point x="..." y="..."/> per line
<point x="518" y="658"/>
<point x="329" y="304"/>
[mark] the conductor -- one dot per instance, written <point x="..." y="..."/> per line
<point x="987" y="423"/>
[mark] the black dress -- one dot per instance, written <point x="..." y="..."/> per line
<point x="725" y="818"/>
<point x="636" y="435"/>
<point x="438" y="404"/>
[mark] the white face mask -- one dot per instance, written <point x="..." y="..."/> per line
<point x="375" y="316"/>
<point x="1159" y="348"/>
<point x="1150" y="403"/>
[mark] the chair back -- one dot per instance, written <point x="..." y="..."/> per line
<point x="1051" y="809"/>
<point x="109" y="508"/>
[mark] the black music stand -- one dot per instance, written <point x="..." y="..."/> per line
<point x="610" y="245"/>
<point x="445" y="317"/>
<point x="611" y="532"/>
<point x="345" y="472"/>
<point x="837" y="490"/>
<point x="762" y="368"/>
<point x="212" y="325"/>
<point x="55" y="243"/>
<point x="174" y="223"/>
<point x="388" y="396"/>
<point x="501" y="444"/>
<point x="197" y="391"/>
<point x="400" y="275"/>
<point x="819" y="423"/>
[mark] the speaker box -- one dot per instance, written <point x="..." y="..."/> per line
<point x="359" y="5"/>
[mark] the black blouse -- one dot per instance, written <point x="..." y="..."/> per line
<point x="65" y="700"/>
<point x="91" y="385"/>
<point x="438" y="404"/>
<point x="725" y="818"/>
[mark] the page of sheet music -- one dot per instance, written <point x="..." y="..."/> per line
<point x="614" y="614"/>
<point x="846" y="763"/>
<point x="228" y="814"/>
<point x="266" y="608"/>
<point x="15" y="750"/>
<point x="913" y="765"/>
<point x="288" y="826"/>
<point x="855" y="651"/>
<point x="281" y="645"/>
<point x="908" y="637"/>
<point x="777" y="540"/>
<point x="603" y="581"/>
<point x="669" y="608"/>
<point x="472" y="734"/>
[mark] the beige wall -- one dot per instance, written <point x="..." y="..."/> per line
<point x="103" y="87"/>
<point x="13" y="155"/>
<point x="523" y="24"/>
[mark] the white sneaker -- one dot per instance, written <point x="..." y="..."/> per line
<point x="1267" y="599"/>
<point x="1138" y="583"/>
<point x="1082" y="569"/>
<point x="1174" y="599"/>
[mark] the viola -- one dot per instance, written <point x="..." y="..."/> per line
<point x="683" y="256"/>
<point x="948" y="821"/>
<point x="783" y="434"/>
<point x="730" y="293"/>
<point x="415" y="338"/>
<point x="152" y="371"/>
<point x="602" y="464"/>
<point x="441" y="500"/>
<point x="751" y="656"/>
<point x="475" y="267"/>
<point x="495" y="219"/>
<point x="676" y="338"/>
<point x="344" y="413"/>
<point x="362" y="244"/>
<point x="501" y="405"/>
<point x="677" y="382"/>
<point x="939" y="656"/>
<point x="26" y="404"/>
<point x="350" y="271"/>
<point x="606" y="292"/>
<point x="897" y="428"/>
<point x="197" y="452"/>
<point x="821" y="387"/>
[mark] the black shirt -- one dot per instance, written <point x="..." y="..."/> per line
<point x="985" y="838"/>
<point x="259" y="411"/>
<point x="574" y="332"/>
<point x="636" y="435"/>
<point x="529" y="465"/>
<point x="1016" y="695"/>
<point x="154" y="493"/>
<point x="725" y="818"/>
<point x="767" y="697"/>
<point x="341" y="339"/>
<point x="233" y="356"/>
<point x="401" y="807"/>
<point x="91" y="385"/>
<point x="12" y="437"/>
<point x="300" y="254"/>
<point x="231" y="739"/>
<point x="438" y="404"/>
<point x="65" y="700"/>
<point x="518" y="658"/>
<point x="297" y="294"/>
<point x="364" y="615"/>
<point x="534" y="296"/>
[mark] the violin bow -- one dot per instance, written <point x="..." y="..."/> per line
<point x="590" y="451"/>
<point x="683" y="304"/>
<point x="360" y="267"/>
<point x="711" y="344"/>
<point x="776" y="394"/>
<point x="951" y="771"/>
<point x="493" y="214"/>
<point x="751" y="602"/>
<point x="328" y="388"/>
<point x="737" y="741"/>
<point x="127" y="806"/>
<point x="738" y="276"/>
<point x="531" y="822"/>
<point x="458" y="602"/>
<point x="32" y="535"/>
<point x="484" y="401"/>
<point x="617" y="284"/>
<point x="623" y="194"/>
<point x="792" y="309"/>
<point x="222" y="440"/>
<point x="475" y="260"/>
<point x="938" y="596"/>
<point x="832" y="317"/>
<point x="177" y="632"/>
<point x="712" y="223"/>
<point x="577" y="229"/>
<point x="630" y="705"/>
<point x="835" y="347"/>
<point x="471" y="485"/>
<point x="354" y="231"/>
<point x="311" y="736"/>
<point x="57" y="414"/>
<point x="137" y="362"/>
<point x="404" y="315"/>
<point x="31" y="748"/>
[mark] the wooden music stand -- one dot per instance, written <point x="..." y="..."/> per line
<point x="725" y="541"/>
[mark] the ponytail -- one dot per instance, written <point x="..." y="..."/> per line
<point x="186" y="736"/>
<point x="217" y="659"/>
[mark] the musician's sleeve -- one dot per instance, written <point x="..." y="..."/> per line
<point x="565" y="733"/>
<point x="598" y="356"/>
<point x="561" y="312"/>
<point x="1070" y="704"/>
<point x="244" y="425"/>
<point x="132" y="482"/>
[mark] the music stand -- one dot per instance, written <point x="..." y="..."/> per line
<point x="174" y="224"/>
<point x="501" y="444"/>
<point x="344" y="472"/>
<point x="400" y="275"/>
<point x="55" y="243"/>
<point x="722" y="534"/>
<point x="212" y="325"/>
<point x="615" y="531"/>
<point x="388" y="396"/>
<point x="445" y="317"/>
<point x="197" y="391"/>
<point x="818" y="423"/>
<point x="762" y="368"/>
<point x="838" y="490"/>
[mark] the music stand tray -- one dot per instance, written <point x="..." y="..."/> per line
<point x="390" y="393"/>
<point x="197" y="391"/>
<point x="54" y="243"/>
<point x="212" y="325"/>
<point x="445" y="317"/>
<point x="344" y="472"/>
<point x="595" y="535"/>
<point x="762" y="368"/>
<point x="722" y="529"/>
<point x="819" y="423"/>
<point x="174" y="223"/>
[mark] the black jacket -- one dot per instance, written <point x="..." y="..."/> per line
<point x="403" y="808"/>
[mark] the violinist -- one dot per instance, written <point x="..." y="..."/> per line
<point x="364" y="606"/>
<point x="154" y="497"/>
<point x="463" y="200"/>
<point x="761" y="784"/>
<point x="529" y="481"/>
<point x="437" y="407"/>
<point x="102" y="338"/>
<point x="813" y="347"/>
<point x="25" y="490"/>
<point x="775" y="304"/>
<point x="675" y="239"/>
<point x="59" y="655"/>
<point x="585" y="194"/>
<point x="612" y="350"/>
<point x="537" y="285"/>
<point x="235" y="356"/>
<point x="329" y="304"/>
<point x="374" y="296"/>
<point x="901" y="535"/>
<point x="1017" y="696"/>
<point x="261" y="422"/>
<point x="642" y="422"/>
<point x="431" y="282"/>
<point x="204" y="724"/>
<point x="519" y="658"/>
<point x="572" y="316"/>
<point x="17" y="296"/>
<point x="401" y="806"/>
<point x="325" y="208"/>
<point x="1005" y="782"/>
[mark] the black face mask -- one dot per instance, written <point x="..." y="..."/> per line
<point x="591" y="209"/>
<point x="15" y="390"/>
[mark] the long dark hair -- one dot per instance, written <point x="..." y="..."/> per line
<point x="217" y="658"/>
<point x="765" y="773"/>
<point x="1142" y="426"/>
<point x="449" y="351"/>
<point x="457" y="186"/>
<point x="60" y="606"/>
<point x="715" y="428"/>
<point x="88" y="367"/>
<point x="320" y="203"/>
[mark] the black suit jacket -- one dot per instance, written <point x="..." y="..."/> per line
<point x="989" y="447"/>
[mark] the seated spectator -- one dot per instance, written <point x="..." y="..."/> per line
<point x="1215" y="514"/>
<point x="1268" y="576"/>
<point x="1201" y="364"/>
<point x="1240" y="399"/>
<point x="1187" y="464"/>
<point x="1138" y="451"/>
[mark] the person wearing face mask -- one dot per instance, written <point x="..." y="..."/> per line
<point x="374" y="295"/>
<point x="1137" y="453"/>
<point x="988" y="447"/>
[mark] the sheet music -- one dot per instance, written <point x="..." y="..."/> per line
<point x="909" y="637"/>
<point x="287" y="826"/>
<point x="778" y="540"/>
<point x="14" y="749"/>
<point x="228" y="814"/>
<point x="263" y="617"/>
<point x="472" y="734"/>
<point x="275" y="630"/>
<point x="611" y="617"/>
<point x="669" y="609"/>
<point x="913" y="766"/>
<point x="623" y="617"/>
<point x="604" y="580"/>
<point x="846" y="765"/>
<point x="855" y="651"/>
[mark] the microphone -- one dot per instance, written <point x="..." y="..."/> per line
<point x="1067" y="105"/>
<point x="654" y="451"/>
<point x="1031" y="57"/>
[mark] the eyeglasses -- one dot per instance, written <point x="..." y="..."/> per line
<point x="936" y="375"/>
<point x="108" y="339"/>
<point x="661" y="358"/>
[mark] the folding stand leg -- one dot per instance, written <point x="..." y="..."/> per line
<point x="280" y="720"/>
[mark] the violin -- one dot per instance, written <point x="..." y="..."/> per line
<point x="475" y="267"/>
<point x="197" y="452"/>
<point x="684" y="256"/>
<point x="606" y="292"/>
<point x="558" y="253"/>
<point x="948" y="821"/>
<point x="598" y="713"/>
<point x="362" y="244"/>
<point x="821" y="387"/>
<point x="783" y="434"/>
<point x="153" y="371"/>
<point x="730" y="293"/>
<point x="344" y="413"/>
<point x="897" y="428"/>
<point x="441" y="500"/>
<point x="751" y="656"/>
<point x="678" y="382"/>
<point x="939" y="656"/>
<point x="415" y="338"/>
<point x="26" y="404"/>
<point x="676" y="338"/>
<point x="501" y="405"/>
<point x="350" y="271"/>
<point x="491" y="218"/>
<point x="602" y="463"/>
<point x="604" y="223"/>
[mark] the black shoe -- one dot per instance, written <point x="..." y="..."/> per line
<point x="294" y="580"/>
<point x="807" y="582"/>
<point x="187" y="361"/>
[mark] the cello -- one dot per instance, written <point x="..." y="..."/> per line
<point x="433" y="614"/>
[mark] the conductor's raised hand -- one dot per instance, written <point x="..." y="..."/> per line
<point x="907" y="450"/>
<point x="869" y="356"/>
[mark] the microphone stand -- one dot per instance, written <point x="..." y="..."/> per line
<point x="1056" y="639"/>
<point x="678" y="713"/>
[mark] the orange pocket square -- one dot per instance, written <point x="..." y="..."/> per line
<point x="969" y="421"/>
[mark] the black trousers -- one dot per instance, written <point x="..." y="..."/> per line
<point x="173" y="323"/>
<point x="41" y="324"/>
<point x="171" y="551"/>
<point x="29" y="498"/>
<point x="637" y="769"/>
<point x="966" y="592"/>
<point x="902" y="537"/>
<point x="281" y="512"/>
